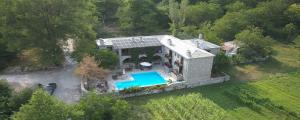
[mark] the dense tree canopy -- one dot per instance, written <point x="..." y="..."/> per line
<point x="201" y="12"/>
<point x="42" y="106"/>
<point x="138" y="17"/>
<point x="98" y="107"/>
<point x="43" y="23"/>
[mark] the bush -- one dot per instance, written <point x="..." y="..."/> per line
<point x="5" y="94"/>
<point x="106" y="58"/>
<point x="221" y="63"/>
<point x="131" y="90"/>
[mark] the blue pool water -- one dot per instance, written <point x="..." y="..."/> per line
<point x="141" y="80"/>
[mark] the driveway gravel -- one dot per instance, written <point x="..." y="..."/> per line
<point x="68" y="84"/>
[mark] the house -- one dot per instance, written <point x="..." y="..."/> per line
<point x="187" y="60"/>
<point x="230" y="48"/>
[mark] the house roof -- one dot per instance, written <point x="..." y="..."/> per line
<point x="183" y="49"/>
<point x="201" y="43"/>
<point x="130" y="42"/>
<point x="179" y="46"/>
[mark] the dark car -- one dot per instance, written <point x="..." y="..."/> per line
<point x="50" y="88"/>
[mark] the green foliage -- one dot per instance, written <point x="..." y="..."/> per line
<point x="236" y="6"/>
<point x="230" y="24"/>
<point x="98" y="107"/>
<point x="297" y="41"/>
<point x="83" y="48"/>
<point x="107" y="10"/>
<point x="20" y="98"/>
<point x="138" y="17"/>
<point x="186" y="107"/>
<point x="209" y="34"/>
<point x="269" y="16"/>
<point x="132" y="90"/>
<point x="6" y="56"/>
<point x="221" y="63"/>
<point x="253" y="44"/>
<point x="106" y="58"/>
<point x="290" y="31"/>
<point x="202" y="12"/>
<point x="42" y="106"/>
<point x="177" y="15"/>
<point x="43" y="23"/>
<point x="5" y="94"/>
<point x="293" y="12"/>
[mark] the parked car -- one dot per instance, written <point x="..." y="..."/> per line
<point x="50" y="88"/>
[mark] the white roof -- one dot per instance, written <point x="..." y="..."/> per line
<point x="178" y="46"/>
<point x="181" y="48"/>
<point x="202" y="44"/>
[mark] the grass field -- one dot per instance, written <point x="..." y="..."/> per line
<point x="260" y="91"/>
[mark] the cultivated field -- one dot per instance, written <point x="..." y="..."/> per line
<point x="261" y="91"/>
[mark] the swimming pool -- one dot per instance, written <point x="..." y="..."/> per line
<point x="141" y="80"/>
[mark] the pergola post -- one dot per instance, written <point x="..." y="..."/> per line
<point x="120" y="58"/>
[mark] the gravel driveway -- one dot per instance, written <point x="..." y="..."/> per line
<point x="68" y="85"/>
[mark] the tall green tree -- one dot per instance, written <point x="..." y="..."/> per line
<point x="253" y="44"/>
<point x="230" y="24"/>
<point x="43" y="23"/>
<point x="177" y="15"/>
<point x="138" y="17"/>
<point x="201" y="12"/>
<point x="106" y="58"/>
<point x="42" y="106"/>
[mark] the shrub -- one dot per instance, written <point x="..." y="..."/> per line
<point x="221" y="63"/>
<point x="132" y="90"/>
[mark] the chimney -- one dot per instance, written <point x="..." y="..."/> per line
<point x="170" y="42"/>
<point x="101" y="41"/>
<point x="189" y="54"/>
<point x="197" y="43"/>
<point x="141" y="39"/>
<point x="200" y="36"/>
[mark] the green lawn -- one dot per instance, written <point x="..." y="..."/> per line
<point x="261" y="91"/>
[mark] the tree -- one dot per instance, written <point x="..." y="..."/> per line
<point x="98" y="107"/>
<point x="221" y="63"/>
<point x="201" y="12"/>
<point x="254" y="44"/>
<point x="138" y="17"/>
<point x="297" y="41"/>
<point x="43" y="23"/>
<point x="230" y="24"/>
<point x="268" y="15"/>
<point x="107" y="10"/>
<point x="88" y="69"/>
<point x="42" y="106"/>
<point x="19" y="98"/>
<point x="5" y="94"/>
<point x="177" y="15"/>
<point x="106" y="58"/>
<point x="293" y="12"/>
<point x="236" y="6"/>
<point x="290" y="31"/>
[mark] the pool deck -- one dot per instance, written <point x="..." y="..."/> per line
<point x="127" y="76"/>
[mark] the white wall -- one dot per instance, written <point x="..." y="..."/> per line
<point x="197" y="69"/>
